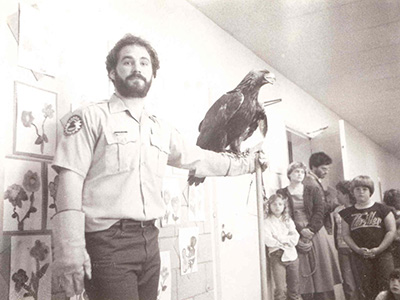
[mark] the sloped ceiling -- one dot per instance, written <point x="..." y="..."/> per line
<point x="345" y="53"/>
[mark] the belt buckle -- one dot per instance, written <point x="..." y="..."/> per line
<point x="143" y="224"/>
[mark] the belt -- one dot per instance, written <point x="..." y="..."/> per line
<point x="129" y="223"/>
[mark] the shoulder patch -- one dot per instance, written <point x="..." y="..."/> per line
<point x="73" y="125"/>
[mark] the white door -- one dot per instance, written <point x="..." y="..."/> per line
<point x="238" y="259"/>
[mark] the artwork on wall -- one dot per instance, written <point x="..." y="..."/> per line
<point x="38" y="49"/>
<point x="35" y="124"/>
<point x="52" y="187"/>
<point x="23" y="195"/>
<point x="164" y="286"/>
<point x="172" y="196"/>
<point x="188" y="241"/>
<point x="196" y="203"/>
<point x="30" y="276"/>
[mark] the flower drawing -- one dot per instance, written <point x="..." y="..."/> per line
<point x="164" y="273"/>
<point x="17" y="195"/>
<point x="20" y="278"/>
<point x="27" y="120"/>
<point x="39" y="252"/>
<point x="31" y="181"/>
<point x="53" y="187"/>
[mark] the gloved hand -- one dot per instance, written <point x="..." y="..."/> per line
<point x="244" y="163"/>
<point x="71" y="260"/>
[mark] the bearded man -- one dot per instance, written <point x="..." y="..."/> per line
<point x="111" y="159"/>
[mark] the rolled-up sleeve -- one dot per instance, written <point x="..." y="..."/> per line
<point x="75" y="144"/>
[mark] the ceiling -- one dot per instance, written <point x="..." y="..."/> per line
<point x="344" y="53"/>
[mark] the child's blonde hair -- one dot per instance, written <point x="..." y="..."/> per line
<point x="285" y="214"/>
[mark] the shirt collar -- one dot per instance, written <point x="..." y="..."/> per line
<point x="315" y="176"/>
<point x="116" y="104"/>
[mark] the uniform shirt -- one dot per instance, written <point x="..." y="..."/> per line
<point x="367" y="226"/>
<point x="277" y="233"/>
<point x="122" y="161"/>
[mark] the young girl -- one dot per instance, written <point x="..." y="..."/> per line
<point x="369" y="229"/>
<point x="394" y="287"/>
<point x="281" y="238"/>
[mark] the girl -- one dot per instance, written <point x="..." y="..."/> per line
<point x="394" y="287"/>
<point x="319" y="270"/>
<point x="281" y="238"/>
<point x="369" y="229"/>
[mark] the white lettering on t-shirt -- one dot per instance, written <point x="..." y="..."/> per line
<point x="365" y="220"/>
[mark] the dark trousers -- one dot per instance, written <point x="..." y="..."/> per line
<point x="373" y="274"/>
<point x="125" y="262"/>
<point x="286" y="277"/>
<point x="349" y="272"/>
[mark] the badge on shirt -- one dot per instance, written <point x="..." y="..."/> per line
<point x="73" y="125"/>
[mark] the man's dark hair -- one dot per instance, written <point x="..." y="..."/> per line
<point x="129" y="39"/>
<point x="319" y="159"/>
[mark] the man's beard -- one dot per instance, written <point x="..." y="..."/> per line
<point x="132" y="91"/>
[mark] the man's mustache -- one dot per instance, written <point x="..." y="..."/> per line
<point x="136" y="75"/>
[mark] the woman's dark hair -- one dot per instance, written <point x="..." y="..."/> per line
<point x="344" y="187"/>
<point x="319" y="159"/>
<point x="392" y="198"/>
<point x="129" y="39"/>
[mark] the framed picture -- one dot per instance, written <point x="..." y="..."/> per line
<point x="35" y="123"/>
<point x="164" y="283"/>
<point x="172" y="196"/>
<point x="23" y="195"/>
<point x="30" y="273"/>
<point x="188" y="249"/>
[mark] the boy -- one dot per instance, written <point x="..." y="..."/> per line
<point x="369" y="229"/>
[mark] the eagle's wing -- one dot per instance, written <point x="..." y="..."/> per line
<point x="212" y="129"/>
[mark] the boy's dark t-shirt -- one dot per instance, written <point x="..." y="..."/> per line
<point x="367" y="226"/>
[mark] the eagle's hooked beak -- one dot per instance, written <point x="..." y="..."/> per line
<point x="270" y="78"/>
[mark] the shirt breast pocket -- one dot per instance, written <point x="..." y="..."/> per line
<point x="160" y="151"/>
<point x="120" y="152"/>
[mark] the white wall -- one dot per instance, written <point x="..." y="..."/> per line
<point x="199" y="62"/>
<point x="365" y="157"/>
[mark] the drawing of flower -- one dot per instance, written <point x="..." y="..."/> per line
<point x="20" y="278"/>
<point x="31" y="181"/>
<point x="15" y="195"/>
<point x="48" y="111"/>
<point x="27" y="120"/>
<point x="39" y="252"/>
<point x="164" y="275"/>
<point x="53" y="187"/>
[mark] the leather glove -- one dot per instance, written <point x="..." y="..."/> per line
<point x="244" y="163"/>
<point x="71" y="260"/>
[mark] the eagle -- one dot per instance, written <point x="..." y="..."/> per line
<point x="234" y="117"/>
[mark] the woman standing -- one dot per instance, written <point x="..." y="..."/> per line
<point x="319" y="270"/>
